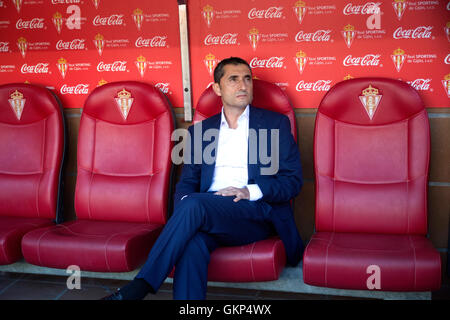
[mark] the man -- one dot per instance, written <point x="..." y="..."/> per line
<point x="229" y="201"/>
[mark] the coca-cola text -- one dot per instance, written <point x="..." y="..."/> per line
<point x="36" y="23"/>
<point x="368" y="8"/>
<point x="421" y="32"/>
<point x="75" y="44"/>
<point x="365" y="61"/>
<point x="155" y="42"/>
<point x="116" y="66"/>
<point x="37" y="68"/>
<point x="112" y="20"/>
<point x="317" y="36"/>
<point x="319" y="85"/>
<point x="77" y="89"/>
<point x="225" y="39"/>
<point x="269" y="13"/>
<point x="272" y="62"/>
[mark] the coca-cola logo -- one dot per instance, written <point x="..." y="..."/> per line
<point x="420" y="84"/>
<point x="116" y="66"/>
<point x="365" y="61"/>
<point x="77" y="89"/>
<point x="164" y="87"/>
<point x="421" y="32"/>
<point x="447" y="59"/>
<point x="317" y="36"/>
<point x="35" y="23"/>
<point x="319" y="85"/>
<point x="37" y="68"/>
<point x="269" y="13"/>
<point x="4" y="46"/>
<point x="75" y="44"/>
<point x="155" y="42"/>
<point x="65" y="1"/>
<point x="225" y="39"/>
<point x="270" y="63"/>
<point x="368" y="8"/>
<point x="112" y="20"/>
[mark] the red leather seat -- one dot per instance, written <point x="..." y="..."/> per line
<point x="263" y="260"/>
<point x="371" y="155"/>
<point x="31" y="155"/>
<point x="122" y="190"/>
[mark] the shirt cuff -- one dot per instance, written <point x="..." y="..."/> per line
<point x="255" y="192"/>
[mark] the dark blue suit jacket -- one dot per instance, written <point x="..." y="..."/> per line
<point x="277" y="189"/>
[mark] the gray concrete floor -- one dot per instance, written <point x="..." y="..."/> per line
<point x="22" y="286"/>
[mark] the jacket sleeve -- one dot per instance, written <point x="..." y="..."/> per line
<point x="189" y="181"/>
<point x="286" y="183"/>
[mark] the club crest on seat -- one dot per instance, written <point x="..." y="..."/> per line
<point x="370" y="99"/>
<point x="124" y="102"/>
<point x="446" y="84"/>
<point x="17" y="102"/>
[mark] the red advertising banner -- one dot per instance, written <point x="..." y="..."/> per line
<point x="308" y="46"/>
<point x="73" y="46"/>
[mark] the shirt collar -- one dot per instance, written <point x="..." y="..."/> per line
<point x="242" y="117"/>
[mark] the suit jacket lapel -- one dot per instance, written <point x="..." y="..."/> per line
<point x="253" y="160"/>
<point x="208" y="169"/>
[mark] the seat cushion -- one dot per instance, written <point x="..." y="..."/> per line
<point x="355" y="261"/>
<point x="12" y="230"/>
<point x="101" y="246"/>
<point x="259" y="261"/>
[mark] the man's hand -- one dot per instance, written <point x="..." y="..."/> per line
<point x="240" y="193"/>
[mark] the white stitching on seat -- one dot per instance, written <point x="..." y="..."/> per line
<point x="415" y="260"/>
<point x="39" y="244"/>
<point x="273" y="260"/>
<point x="251" y="261"/>
<point x="326" y="259"/>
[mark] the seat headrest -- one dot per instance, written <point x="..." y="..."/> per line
<point x="126" y="102"/>
<point x="371" y="101"/>
<point x="23" y="103"/>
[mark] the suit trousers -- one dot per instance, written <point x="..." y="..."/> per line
<point x="200" y="223"/>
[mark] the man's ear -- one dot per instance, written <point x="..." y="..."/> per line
<point x="216" y="88"/>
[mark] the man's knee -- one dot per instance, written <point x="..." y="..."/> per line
<point x="190" y="202"/>
<point x="190" y="207"/>
<point x="198" y="201"/>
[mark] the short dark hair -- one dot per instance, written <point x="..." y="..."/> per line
<point x="218" y="71"/>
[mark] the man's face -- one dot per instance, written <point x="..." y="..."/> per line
<point x="236" y="86"/>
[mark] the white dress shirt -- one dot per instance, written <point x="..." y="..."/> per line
<point x="231" y="168"/>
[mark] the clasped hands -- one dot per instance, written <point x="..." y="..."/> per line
<point x="239" y="193"/>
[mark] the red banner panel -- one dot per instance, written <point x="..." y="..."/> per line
<point x="73" y="46"/>
<point x="308" y="46"/>
<point x="305" y="47"/>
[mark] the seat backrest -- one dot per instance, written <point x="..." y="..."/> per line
<point x="371" y="155"/>
<point x="124" y="148"/>
<point x="31" y="151"/>
<point x="266" y="95"/>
